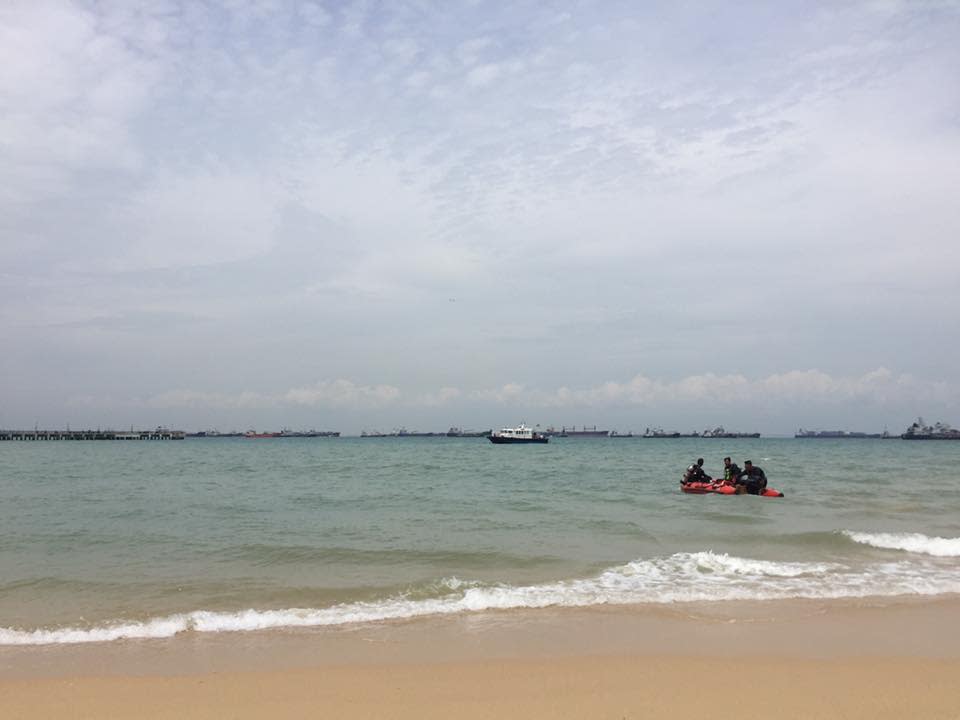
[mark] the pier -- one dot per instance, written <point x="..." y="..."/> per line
<point x="37" y="435"/>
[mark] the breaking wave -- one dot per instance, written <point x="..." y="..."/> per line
<point x="683" y="577"/>
<point x="910" y="542"/>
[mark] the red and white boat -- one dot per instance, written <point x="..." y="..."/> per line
<point x="722" y="488"/>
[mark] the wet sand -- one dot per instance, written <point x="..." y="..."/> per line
<point x="790" y="660"/>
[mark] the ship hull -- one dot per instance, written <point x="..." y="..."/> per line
<point x="497" y="440"/>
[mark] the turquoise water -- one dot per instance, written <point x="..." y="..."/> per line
<point x="101" y="540"/>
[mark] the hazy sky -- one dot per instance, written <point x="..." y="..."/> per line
<point x="366" y="215"/>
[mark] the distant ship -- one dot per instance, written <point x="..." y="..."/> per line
<point x="400" y="433"/>
<point x="457" y="432"/>
<point x="214" y="434"/>
<point x="660" y="433"/>
<point x="843" y="434"/>
<point x="254" y="435"/>
<point x="584" y="432"/>
<point x="403" y="432"/>
<point x="719" y="432"/>
<point x="308" y="433"/>
<point x="938" y="431"/>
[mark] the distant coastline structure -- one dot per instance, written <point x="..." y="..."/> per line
<point x="160" y="433"/>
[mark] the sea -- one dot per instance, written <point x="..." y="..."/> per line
<point x="102" y="541"/>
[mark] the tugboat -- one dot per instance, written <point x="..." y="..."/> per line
<point x="521" y="434"/>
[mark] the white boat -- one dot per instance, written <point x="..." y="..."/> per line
<point x="521" y="434"/>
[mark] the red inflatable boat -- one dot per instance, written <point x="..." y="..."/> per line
<point x="721" y="488"/>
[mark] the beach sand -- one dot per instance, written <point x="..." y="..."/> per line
<point x="765" y="660"/>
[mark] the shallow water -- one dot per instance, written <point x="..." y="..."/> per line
<point x="100" y="540"/>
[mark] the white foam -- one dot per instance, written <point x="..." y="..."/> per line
<point x="910" y="542"/>
<point x="683" y="577"/>
<point x="155" y="628"/>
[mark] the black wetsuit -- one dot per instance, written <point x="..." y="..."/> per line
<point x="730" y="474"/>
<point x="753" y="479"/>
<point x="695" y="473"/>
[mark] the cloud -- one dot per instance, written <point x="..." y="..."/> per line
<point x="208" y="217"/>
<point x="878" y="386"/>
<point x="68" y="93"/>
<point x="330" y="394"/>
<point x="443" y="396"/>
<point x="484" y="75"/>
<point x="796" y="388"/>
<point x="716" y="198"/>
<point x="343" y="393"/>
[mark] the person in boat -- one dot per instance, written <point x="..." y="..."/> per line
<point x="695" y="473"/>
<point x="752" y="480"/>
<point x="731" y="471"/>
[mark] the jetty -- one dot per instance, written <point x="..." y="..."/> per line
<point x="159" y="433"/>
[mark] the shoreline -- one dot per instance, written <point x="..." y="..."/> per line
<point x="868" y="658"/>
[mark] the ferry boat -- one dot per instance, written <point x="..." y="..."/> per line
<point x="938" y="431"/>
<point x="521" y="434"/>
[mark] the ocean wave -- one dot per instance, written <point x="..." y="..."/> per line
<point x="910" y="542"/>
<point x="683" y="577"/>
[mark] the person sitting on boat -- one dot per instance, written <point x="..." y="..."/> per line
<point x="731" y="471"/>
<point x="695" y="473"/>
<point x="753" y="480"/>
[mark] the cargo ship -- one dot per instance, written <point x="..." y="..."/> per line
<point x="840" y="434"/>
<point x="660" y="433"/>
<point x="254" y="435"/>
<point x="719" y="432"/>
<point x="583" y="432"/>
<point x="308" y="433"/>
<point x="458" y="432"/>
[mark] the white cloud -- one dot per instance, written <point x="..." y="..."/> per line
<point x="484" y="74"/>
<point x="314" y="14"/>
<point x="443" y="396"/>
<point x="709" y="391"/>
<point x="209" y="216"/>
<point x="343" y="393"/>
<point x="330" y="394"/>
<point x="68" y="94"/>
<point x="796" y="386"/>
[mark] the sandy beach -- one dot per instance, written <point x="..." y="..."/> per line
<point x="789" y="660"/>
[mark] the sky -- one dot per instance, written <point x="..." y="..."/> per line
<point x="371" y="215"/>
